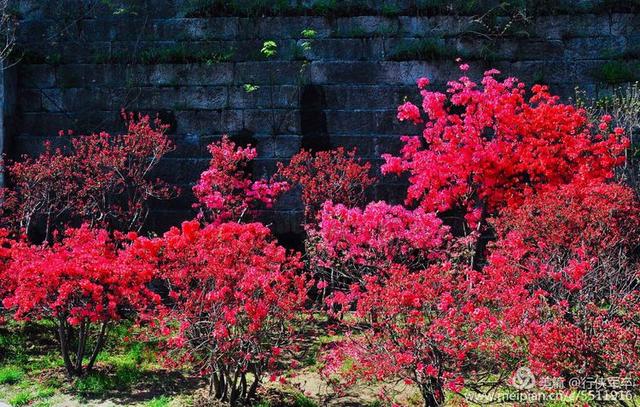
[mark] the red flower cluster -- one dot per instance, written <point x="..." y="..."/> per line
<point x="225" y="190"/>
<point x="487" y="146"/>
<point x="351" y="243"/>
<point x="557" y="290"/>
<point x="334" y="175"/>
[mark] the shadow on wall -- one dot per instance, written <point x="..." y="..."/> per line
<point x="313" y="119"/>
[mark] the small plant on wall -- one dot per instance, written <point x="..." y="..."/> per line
<point x="269" y="51"/>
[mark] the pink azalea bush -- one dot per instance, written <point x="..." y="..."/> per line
<point x="225" y="191"/>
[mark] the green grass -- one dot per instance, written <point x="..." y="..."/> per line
<point x="245" y="8"/>
<point x="339" y="8"/>
<point x="300" y="400"/>
<point x="45" y="392"/>
<point x="177" y="54"/>
<point x="32" y="393"/>
<point x="128" y="371"/>
<point x="22" y="398"/>
<point x="93" y="384"/>
<point x="10" y="375"/>
<point x="162" y="401"/>
<point x="181" y="54"/>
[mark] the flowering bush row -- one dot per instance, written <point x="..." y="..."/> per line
<point x="516" y="246"/>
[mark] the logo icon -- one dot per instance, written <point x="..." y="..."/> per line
<point x="523" y="379"/>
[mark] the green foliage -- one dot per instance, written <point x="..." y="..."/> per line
<point x="308" y="36"/>
<point x="425" y="49"/>
<point x="308" y="33"/>
<point x="162" y="401"/>
<point x="269" y="49"/>
<point x="10" y="375"/>
<point x="390" y="10"/>
<point x="300" y="400"/>
<point x="249" y="88"/>
<point x="22" y="398"/>
<point x="616" y="72"/>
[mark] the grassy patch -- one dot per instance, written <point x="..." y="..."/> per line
<point x="303" y="401"/>
<point x="10" y="375"/>
<point x="342" y="8"/>
<point x="93" y="384"/>
<point x="22" y="398"/>
<point x="159" y="402"/>
<point x="246" y="8"/>
<point x="177" y="54"/>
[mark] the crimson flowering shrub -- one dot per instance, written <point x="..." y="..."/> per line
<point x="225" y="191"/>
<point x="422" y="327"/>
<point x="486" y="146"/>
<point x="100" y="179"/>
<point x="564" y="279"/>
<point x="236" y="296"/>
<point x="351" y="243"/>
<point x="407" y="280"/>
<point x="335" y="175"/>
<point x="83" y="283"/>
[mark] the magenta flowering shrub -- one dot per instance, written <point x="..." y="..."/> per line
<point x="225" y="191"/>
<point x="534" y="173"/>
<point x="488" y="146"/>
<point x="335" y="175"/>
<point x="84" y="283"/>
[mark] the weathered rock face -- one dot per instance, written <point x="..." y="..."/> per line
<point x="198" y="63"/>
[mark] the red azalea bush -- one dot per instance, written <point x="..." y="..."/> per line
<point x="334" y="175"/>
<point x="100" y="179"/>
<point x="225" y="191"/>
<point x="236" y="297"/>
<point x="408" y="281"/>
<point x="83" y="283"/>
<point x="422" y="327"/>
<point x="488" y="146"/>
<point x="351" y="243"/>
<point x="564" y="279"/>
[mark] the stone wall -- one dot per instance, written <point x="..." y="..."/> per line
<point x="82" y="61"/>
